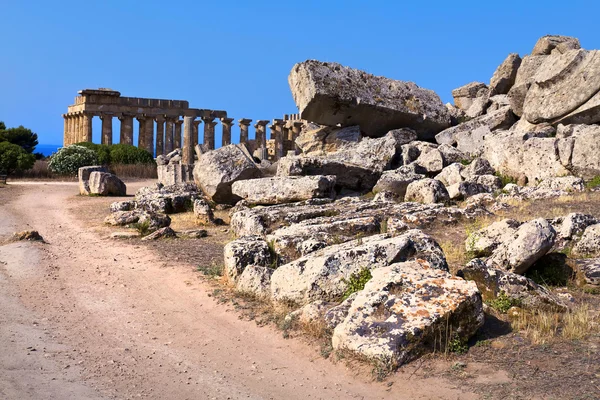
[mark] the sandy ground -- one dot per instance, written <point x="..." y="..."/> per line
<point x="86" y="317"/>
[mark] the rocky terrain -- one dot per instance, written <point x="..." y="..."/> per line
<point x="337" y="231"/>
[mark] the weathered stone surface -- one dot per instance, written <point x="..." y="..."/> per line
<point x="173" y="174"/>
<point x="573" y="224"/>
<point x="296" y="240"/>
<point x="167" y="199"/>
<point x="406" y="308"/>
<point x="583" y="157"/>
<point x="478" y="107"/>
<point x="500" y="119"/>
<point x="413" y="150"/>
<point x="331" y="94"/>
<point x="529" y="130"/>
<point x="105" y="184"/>
<point x="122" y="206"/>
<point x="321" y="139"/>
<point x="493" y="282"/>
<point x="475" y="185"/>
<point x="589" y="244"/>
<point x="165" y="232"/>
<point x="284" y="189"/>
<point x="464" y="96"/>
<point x="245" y="251"/>
<point x="497" y="102"/>
<point x="312" y="313"/>
<point x="451" y="154"/>
<point x="218" y="169"/>
<point x="337" y="314"/>
<point x="567" y="183"/>
<point x="450" y="175"/>
<point x="203" y="213"/>
<point x="528" y="244"/>
<point x="255" y="280"/>
<point x="547" y="43"/>
<point x="484" y="241"/>
<point x="194" y="233"/>
<point x="505" y="75"/>
<point x="396" y="181"/>
<point x="479" y="166"/>
<point x="125" y="235"/>
<point x="562" y="83"/>
<point x="324" y="274"/>
<point x="154" y="221"/>
<point x="33" y="236"/>
<point x="356" y="167"/>
<point x="525" y="76"/>
<point x="84" y="177"/>
<point x="588" y="272"/>
<point x="121" y="218"/>
<point x="427" y="191"/>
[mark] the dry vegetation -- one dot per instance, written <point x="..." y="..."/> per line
<point x="131" y="171"/>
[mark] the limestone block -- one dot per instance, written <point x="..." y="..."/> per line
<point x="84" y="177"/>
<point x="105" y="184"/>
<point x="240" y="253"/>
<point x="284" y="189"/>
<point x="504" y="77"/>
<point x="426" y="191"/>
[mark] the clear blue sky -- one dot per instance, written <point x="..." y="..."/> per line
<point x="236" y="56"/>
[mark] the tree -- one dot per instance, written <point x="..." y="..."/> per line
<point x="2" y="126"/>
<point x="14" y="158"/>
<point x="20" y="136"/>
<point x="68" y="160"/>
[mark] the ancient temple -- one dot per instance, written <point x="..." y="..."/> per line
<point x="165" y="125"/>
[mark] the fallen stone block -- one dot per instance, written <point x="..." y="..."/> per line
<point x="284" y="189"/>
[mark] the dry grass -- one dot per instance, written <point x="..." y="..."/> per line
<point x="543" y="327"/>
<point x="139" y="171"/>
<point x="40" y="171"/>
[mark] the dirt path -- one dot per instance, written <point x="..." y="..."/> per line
<point x="84" y="316"/>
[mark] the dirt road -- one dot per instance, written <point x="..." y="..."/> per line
<point x="87" y="317"/>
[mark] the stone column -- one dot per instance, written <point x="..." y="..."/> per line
<point x="160" y="135"/>
<point x="169" y="135"/>
<point x="141" y="130"/>
<point x="195" y="132"/>
<point x="244" y="124"/>
<point x="187" y="153"/>
<point x="209" y="133"/>
<point x="87" y="126"/>
<point x="106" y="128"/>
<point x="65" y="129"/>
<point x="296" y="129"/>
<point x="226" y="139"/>
<point x="126" y="133"/>
<point x="261" y="133"/>
<point x="278" y="126"/>
<point x="177" y="139"/>
<point x="149" y="135"/>
<point x="78" y="135"/>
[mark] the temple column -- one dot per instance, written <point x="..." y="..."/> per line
<point x="78" y="124"/>
<point x="106" y="128"/>
<point x="261" y="133"/>
<point x="87" y="127"/>
<point x="126" y="133"/>
<point x="226" y="138"/>
<point x="209" y="133"/>
<point x="296" y="129"/>
<point x="177" y="138"/>
<point x="195" y="132"/>
<point x="160" y="135"/>
<point x="278" y="125"/>
<point x="65" y="129"/>
<point x="169" y="135"/>
<point x="149" y="135"/>
<point x="187" y="153"/>
<point x="141" y="132"/>
<point x="244" y="124"/>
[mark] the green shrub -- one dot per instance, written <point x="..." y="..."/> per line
<point x="457" y="345"/>
<point x="128" y="154"/>
<point x="503" y="303"/>
<point x="68" y="160"/>
<point x="593" y="183"/>
<point x="357" y="281"/>
<point x="506" y="179"/>
<point x="14" y="158"/>
<point x="102" y="151"/>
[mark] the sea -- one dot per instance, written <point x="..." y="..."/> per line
<point x="47" y="149"/>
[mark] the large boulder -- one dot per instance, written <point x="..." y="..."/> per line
<point x="588" y="272"/>
<point x="525" y="77"/>
<point x="255" y="280"/>
<point x="356" y="166"/>
<point x="325" y="274"/>
<point x="167" y="199"/>
<point x="284" y="189"/>
<point x="245" y="251"/>
<point x="528" y="244"/>
<point x="450" y="175"/>
<point x="405" y="310"/>
<point x="319" y="139"/>
<point x="546" y="44"/>
<point x="493" y="282"/>
<point x="84" y="177"/>
<point x="505" y="75"/>
<point x="105" y="184"/>
<point x="331" y="94"/>
<point x="427" y="191"/>
<point x="396" y="181"/>
<point x="216" y="170"/>
<point x="589" y="244"/>
<point x="483" y="242"/>
<point x="464" y="96"/>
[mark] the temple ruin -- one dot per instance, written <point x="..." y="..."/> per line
<point x="165" y="125"/>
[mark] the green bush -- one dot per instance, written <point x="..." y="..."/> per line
<point x="102" y="151"/>
<point x="357" y="281"/>
<point x="593" y="183"/>
<point x="128" y="154"/>
<point x="68" y="160"/>
<point x="14" y="158"/>
<point x="503" y="303"/>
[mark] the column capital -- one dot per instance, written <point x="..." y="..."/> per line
<point x="196" y="122"/>
<point x="159" y="118"/>
<point x="178" y="121"/>
<point x="244" y="121"/>
<point x="277" y="122"/>
<point x="106" y="115"/>
<point x="208" y="120"/>
<point x="140" y="117"/>
<point x="261" y="122"/>
<point x="227" y="121"/>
